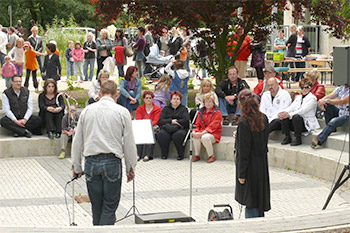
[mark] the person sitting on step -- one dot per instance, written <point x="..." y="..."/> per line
<point x="69" y="122"/>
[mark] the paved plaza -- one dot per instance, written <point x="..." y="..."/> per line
<point x="32" y="191"/>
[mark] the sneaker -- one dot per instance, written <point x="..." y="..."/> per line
<point x="58" y="135"/>
<point x="50" y="135"/>
<point x="211" y="159"/>
<point x="226" y="120"/>
<point x="286" y="140"/>
<point x="195" y="158"/>
<point x="145" y="159"/>
<point x="16" y="135"/>
<point x="62" y="155"/>
<point x="235" y="120"/>
<point x="180" y="157"/>
<point x="314" y="142"/>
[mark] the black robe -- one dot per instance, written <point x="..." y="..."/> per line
<point x="252" y="165"/>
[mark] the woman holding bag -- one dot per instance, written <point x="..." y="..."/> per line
<point x="173" y="121"/>
<point x="104" y="46"/>
<point x="120" y="45"/>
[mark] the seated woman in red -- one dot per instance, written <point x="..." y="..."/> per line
<point x="147" y="111"/>
<point x="208" y="128"/>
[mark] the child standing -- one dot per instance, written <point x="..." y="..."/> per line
<point x="78" y="55"/>
<point x="31" y="64"/>
<point x="161" y="91"/>
<point x="52" y="63"/>
<point x="17" y="53"/>
<point x="69" y="122"/>
<point x="70" y="60"/>
<point x="180" y="77"/>
<point x="8" y="70"/>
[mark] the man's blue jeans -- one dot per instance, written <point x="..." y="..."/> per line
<point x="103" y="173"/>
<point x="331" y="126"/>
<point x="251" y="212"/>
<point x="89" y="62"/>
<point x="226" y="108"/>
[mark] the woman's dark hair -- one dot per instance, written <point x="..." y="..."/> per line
<point x="147" y="93"/>
<point x="129" y="72"/>
<point x="142" y="30"/>
<point x="121" y="34"/>
<point x="47" y="82"/>
<point x="250" y="110"/>
<point x="51" y="47"/>
<point x="176" y="93"/>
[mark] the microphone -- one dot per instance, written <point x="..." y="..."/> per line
<point x="76" y="176"/>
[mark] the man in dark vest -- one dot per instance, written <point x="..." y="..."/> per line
<point x="17" y="105"/>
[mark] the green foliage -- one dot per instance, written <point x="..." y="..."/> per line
<point x="73" y="84"/>
<point x="55" y="32"/>
<point x="190" y="84"/>
<point x="43" y="12"/>
<point x="144" y="83"/>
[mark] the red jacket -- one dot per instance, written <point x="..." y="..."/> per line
<point x="258" y="89"/>
<point x="243" y="52"/>
<point x="212" y="121"/>
<point x="119" y="54"/>
<point x="142" y="114"/>
<point x="318" y="90"/>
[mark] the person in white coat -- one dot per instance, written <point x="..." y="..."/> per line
<point x="274" y="101"/>
<point x="300" y="116"/>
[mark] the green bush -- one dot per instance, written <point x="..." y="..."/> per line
<point x="55" y="32"/>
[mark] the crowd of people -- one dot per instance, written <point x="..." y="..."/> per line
<point x="269" y="107"/>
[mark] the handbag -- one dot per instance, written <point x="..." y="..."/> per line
<point x="128" y="51"/>
<point x="171" y="128"/>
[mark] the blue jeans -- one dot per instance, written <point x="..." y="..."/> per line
<point x="331" y="126"/>
<point x="251" y="213"/>
<point x="70" y="69"/>
<point x="89" y="62"/>
<point x="78" y="65"/>
<point x="331" y="112"/>
<point x="125" y="102"/>
<point x="184" y="99"/>
<point x="226" y="108"/>
<point x="103" y="173"/>
<point x="187" y="64"/>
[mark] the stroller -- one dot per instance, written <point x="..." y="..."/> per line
<point x="155" y="63"/>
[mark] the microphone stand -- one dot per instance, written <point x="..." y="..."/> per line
<point x="189" y="134"/>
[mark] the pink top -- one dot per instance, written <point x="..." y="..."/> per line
<point x="8" y="70"/>
<point x="77" y="54"/>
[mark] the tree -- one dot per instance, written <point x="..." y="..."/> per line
<point x="218" y="17"/>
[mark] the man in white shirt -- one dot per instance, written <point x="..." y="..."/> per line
<point x="3" y="43"/>
<point x="104" y="136"/>
<point x="274" y="101"/>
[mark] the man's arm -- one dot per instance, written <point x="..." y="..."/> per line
<point x="129" y="146"/>
<point x="6" y="108"/>
<point x="77" y="145"/>
<point x="30" y="108"/>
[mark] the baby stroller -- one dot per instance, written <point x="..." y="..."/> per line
<point x="155" y="63"/>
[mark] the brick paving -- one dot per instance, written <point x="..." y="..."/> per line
<point x="32" y="191"/>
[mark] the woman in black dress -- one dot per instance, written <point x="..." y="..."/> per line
<point x="252" y="172"/>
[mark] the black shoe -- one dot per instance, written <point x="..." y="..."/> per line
<point x="164" y="157"/>
<point x="50" y="135"/>
<point x="296" y="142"/>
<point x="16" y="135"/>
<point x="286" y="140"/>
<point x="58" y="135"/>
<point x="180" y="157"/>
<point x="27" y="133"/>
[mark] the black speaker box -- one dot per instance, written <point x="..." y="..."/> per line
<point x="164" y="217"/>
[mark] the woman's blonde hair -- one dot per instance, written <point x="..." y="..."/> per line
<point x="102" y="72"/>
<point x="175" y="32"/>
<point x="313" y="74"/>
<point x="209" y="96"/>
<point x="104" y="31"/>
<point x="90" y="34"/>
<point x="204" y="82"/>
<point x="164" y="84"/>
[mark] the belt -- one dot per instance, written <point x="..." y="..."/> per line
<point x="105" y="155"/>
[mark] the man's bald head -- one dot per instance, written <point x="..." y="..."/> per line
<point x="272" y="85"/>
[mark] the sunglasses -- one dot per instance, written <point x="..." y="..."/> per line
<point x="305" y="87"/>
